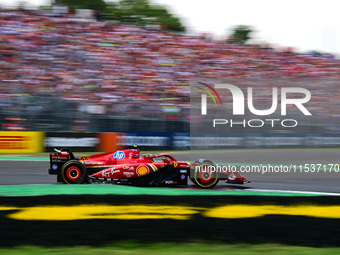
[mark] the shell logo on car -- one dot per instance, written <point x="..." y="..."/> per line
<point x="142" y="170"/>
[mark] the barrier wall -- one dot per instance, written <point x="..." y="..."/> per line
<point x="236" y="141"/>
<point x="33" y="142"/>
<point x="155" y="140"/>
<point x="81" y="141"/>
<point x="21" y="142"/>
<point x="111" y="141"/>
<point x="108" y="141"/>
<point x="75" y="141"/>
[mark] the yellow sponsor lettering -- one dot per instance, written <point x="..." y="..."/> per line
<point x="252" y="211"/>
<point x="8" y="208"/>
<point x="119" y="212"/>
<point x="143" y="211"/>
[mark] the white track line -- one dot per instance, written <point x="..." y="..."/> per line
<point x="293" y="191"/>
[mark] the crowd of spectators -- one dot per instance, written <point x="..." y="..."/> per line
<point x="124" y="70"/>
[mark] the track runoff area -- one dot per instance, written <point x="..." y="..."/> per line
<point x="301" y="208"/>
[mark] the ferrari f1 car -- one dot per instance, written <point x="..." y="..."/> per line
<point x="130" y="168"/>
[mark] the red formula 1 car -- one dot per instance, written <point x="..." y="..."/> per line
<point x="130" y="168"/>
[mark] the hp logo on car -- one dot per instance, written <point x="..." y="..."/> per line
<point x="119" y="155"/>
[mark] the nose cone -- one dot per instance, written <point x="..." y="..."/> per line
<point x="236" y="178"/>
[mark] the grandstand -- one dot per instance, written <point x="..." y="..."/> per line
<point x="58" y="72"/>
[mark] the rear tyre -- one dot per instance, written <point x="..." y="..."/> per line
<point x="206" y="176"/>
<point x="73" y="172"/>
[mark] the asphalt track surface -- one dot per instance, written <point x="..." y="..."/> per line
<point x="322" y="179"/>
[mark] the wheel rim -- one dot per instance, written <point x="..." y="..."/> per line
<point x="206" y="177"/>
<point x="73" y="173"/>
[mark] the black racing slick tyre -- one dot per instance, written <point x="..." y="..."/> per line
<point x="206" y="176"/>
<point x="73" y="172"/>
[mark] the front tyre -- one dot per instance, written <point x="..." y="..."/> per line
<point x="206" y="176"/>
<point x="73" y="172"/>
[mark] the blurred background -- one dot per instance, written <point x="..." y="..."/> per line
<point x="127" y="66"/>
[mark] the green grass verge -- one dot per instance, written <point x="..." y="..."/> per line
<point x="174" y="248"/>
